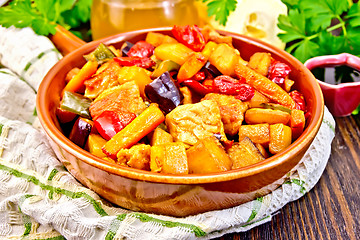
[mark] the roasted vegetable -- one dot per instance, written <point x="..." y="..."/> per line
<point x="76" y="103"/>
<point x="165" y="66"/>
<point x="260" y="62"/>
<point x="298" y="99"/>
<point x="227" y="85"/>
<point x="164" y="92"/>
<point x="198" y="87"/>
<point x="280" y="137"/>
<point x="258" y="99"/>
<point x="94" y="144"/>
<point x="143" y="62"/>
<point x="244" y="153"/>
<point x="169" y="158"/>
<point x="208" y="156"/>
<point x="265" y="86"/>
<point x="191" y="66"/>
<point x="190" y="36"/>
<point x="108" y="123"/>
<point x="76" y="84"/>
<point x="157" y="39"/>
<point x="225" y="58"/>
<point x="137" y="74"/>
<point x="288" y="84"/>
<point x="64" y="116"/>
<point x="160" y="136"/>
<point x="81" y="131"/>
<point x="143" y="124"/>
<point x="141" y="49"/>
<point x="126" y="47"/>
<point x="297" y="123"/>
<point x="208" y="49"/>
<point x="101" y="54"/>
<point x="258" y="133"/>
<point x="270" y="116"/>
<point x="175" y="52"/>
<point x="275" y="106"/>
<point x="278" y="71"/>
<point x="211" y="69"/>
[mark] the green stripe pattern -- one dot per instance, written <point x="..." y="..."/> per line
<point x="332" y="127"/>
<point x="299" y="183"/>
<point x="256" y="208"/>
<point x="38" y="57"/>
<point x="197" y="231"/>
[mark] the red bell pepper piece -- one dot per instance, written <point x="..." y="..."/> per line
<point x="199" y="76"/>
<point x="190" y="36"/>
<point x="143" y="62"/>
<point x="246" y="92"/>
<point x="299" y="99"/>
<point x="278" y="71"/>
<point x="108" y="123"/>
<point x="227" y="85"/>
<point x="141" y="49"/>
<point x="198" y="87"/>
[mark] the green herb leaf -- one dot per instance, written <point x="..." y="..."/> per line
<point x="306" y="49"/>
<point x="221" y="9"/>
<point x="44" y="15"/>
<point x="79" y="14"/>
<point x="320" y="27"/>
<point x="332" y="44"/>
<point x="354" y="15"/>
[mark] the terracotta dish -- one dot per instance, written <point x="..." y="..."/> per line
<point x="177" y="195"/>
<point x="343" y="98"/>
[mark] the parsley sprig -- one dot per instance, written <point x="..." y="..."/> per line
<point x="322" y="27"/>
<point x="221" y="9"/>
<point x="43" y="15"/>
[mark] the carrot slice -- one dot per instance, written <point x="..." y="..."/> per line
<point x="142" y="125"/>
<point x="75" y="84"/>
<point x="265" y="86"/>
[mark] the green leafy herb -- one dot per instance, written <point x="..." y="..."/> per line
<point x="322" y="27"/>
<point x="43" y="15"/>
<point x="221" y="9"/>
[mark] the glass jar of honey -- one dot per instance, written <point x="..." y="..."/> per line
<point x="109" y="17"/>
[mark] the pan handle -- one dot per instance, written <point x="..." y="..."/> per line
<point x="65" y="41"/>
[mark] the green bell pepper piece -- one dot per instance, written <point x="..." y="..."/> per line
<point x="76" y="103"/>
<point x="101" y="54"/>
<point x="165" y="66"/>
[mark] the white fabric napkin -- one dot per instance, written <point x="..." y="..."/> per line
<point x="39" y="199"/>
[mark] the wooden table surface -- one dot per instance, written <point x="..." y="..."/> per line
<point x="331" y="210"/>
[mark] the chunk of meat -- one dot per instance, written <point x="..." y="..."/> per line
<point x="191" y="122"/>
<point x="231" y="110"/>
<point x="138" y="156"/>
<point x="106" y="77"/>
<point x="123" y="98"/>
